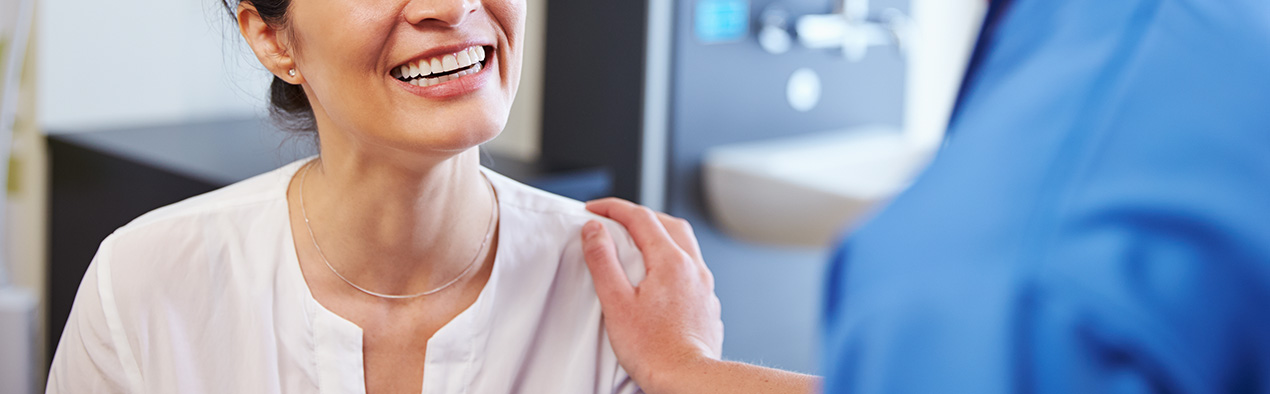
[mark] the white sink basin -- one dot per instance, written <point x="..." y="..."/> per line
<point x="806" y="190"/>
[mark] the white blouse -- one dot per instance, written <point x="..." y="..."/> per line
<point x="206" y="296"/>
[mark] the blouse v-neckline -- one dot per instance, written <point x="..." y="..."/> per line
<point x="450" y="362"/>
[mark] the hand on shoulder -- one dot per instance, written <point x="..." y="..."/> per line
<point x="672" y="318"/>
<point x="667" y="331"/>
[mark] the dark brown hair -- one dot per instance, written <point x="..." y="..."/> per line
<point x="288" y="106"/>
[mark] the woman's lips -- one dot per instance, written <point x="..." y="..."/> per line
<point x="449" y="75"/>
<point x="443" y="68"/>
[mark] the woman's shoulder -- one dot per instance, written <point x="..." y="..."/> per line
<point x="269" y="187"/>
<point x="553" y="224"/>
<point x="205" y="230"/>
<point x="521" y="197"/>
<point x="170" y="274"/>
<point x="549" y="213"/>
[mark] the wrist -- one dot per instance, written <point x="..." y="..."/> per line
<point x="675" y="375"/>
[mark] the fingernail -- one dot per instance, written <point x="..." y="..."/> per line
<point x="590" y="229"/>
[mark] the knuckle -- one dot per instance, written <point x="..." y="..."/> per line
<point x="683" y="224"/>
<point x="708" y="278"/>
<point x="669" y="255"/>
<point x="645" y="211"/>
<point x="684" y="261"/>
<point x="683" y="257"/>
<point x="594" y="252"/>
<point x="679" y="226"/>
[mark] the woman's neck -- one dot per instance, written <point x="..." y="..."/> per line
<point x="398" y="227"/>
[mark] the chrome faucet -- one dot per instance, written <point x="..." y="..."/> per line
<point x="851" y="28"/>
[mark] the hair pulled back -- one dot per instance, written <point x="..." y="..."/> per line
<point x="288" y="106"/>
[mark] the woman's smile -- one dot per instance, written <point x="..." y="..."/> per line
<point x="435" y="77"/>
<point x="446" y="72"/>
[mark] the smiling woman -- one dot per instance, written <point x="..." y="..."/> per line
<point x="392" y="262"/>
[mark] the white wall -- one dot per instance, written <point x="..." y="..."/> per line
<point x="107" y="64"/>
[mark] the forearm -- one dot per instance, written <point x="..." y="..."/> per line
<point x="714" y="376"/>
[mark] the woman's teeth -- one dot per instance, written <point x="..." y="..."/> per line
<point x="428" y="72"/>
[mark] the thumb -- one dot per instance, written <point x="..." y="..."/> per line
<point x="611" y="284"/>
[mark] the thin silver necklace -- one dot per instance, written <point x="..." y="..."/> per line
<point x="489" y="233"/>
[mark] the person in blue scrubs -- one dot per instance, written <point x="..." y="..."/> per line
<point x="1097" y="222"/>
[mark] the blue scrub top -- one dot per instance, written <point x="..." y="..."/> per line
<point x="1098" y="222"/>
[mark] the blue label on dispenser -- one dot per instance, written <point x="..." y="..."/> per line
<point x="722" y="20"/>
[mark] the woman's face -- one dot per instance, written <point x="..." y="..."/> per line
<point x="418" y="75"/>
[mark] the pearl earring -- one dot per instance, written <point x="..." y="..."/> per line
<point x="291" y="72"/>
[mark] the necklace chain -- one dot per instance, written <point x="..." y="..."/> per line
<point x="489" y="233"/>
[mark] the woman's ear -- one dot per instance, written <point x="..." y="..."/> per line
<point x="268" y="44"/>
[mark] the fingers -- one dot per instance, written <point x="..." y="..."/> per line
<point x="681" y="231"/>
<point x="604" y="205"/>
<point x="611" y="283"/>
<point x="640" y="222"/>
<point x="663" y="233"/>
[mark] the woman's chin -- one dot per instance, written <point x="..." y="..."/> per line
<point x="437" y="130"/>
<point x="443" y="143"/>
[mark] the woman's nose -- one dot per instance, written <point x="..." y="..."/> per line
<point x="441" y="12"/>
